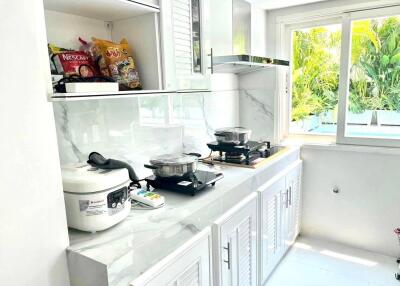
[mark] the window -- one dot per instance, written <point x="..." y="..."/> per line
<point x="374" y="86"/>
<point x="345" y="77"/>
<point x="315" y="79"/>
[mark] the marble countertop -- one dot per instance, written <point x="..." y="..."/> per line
<point x="145" y="237"/>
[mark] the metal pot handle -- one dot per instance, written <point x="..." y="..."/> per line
<point x="150" y="167"/>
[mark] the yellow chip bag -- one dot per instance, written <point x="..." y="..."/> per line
<point x="116" y="60"/>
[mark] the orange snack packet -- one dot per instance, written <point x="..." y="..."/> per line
<point x="116" y="60"/>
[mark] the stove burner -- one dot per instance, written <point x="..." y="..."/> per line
<point x="234" y="157"/>
<point x="188" y="184"/>
<point x="247" y="154"/>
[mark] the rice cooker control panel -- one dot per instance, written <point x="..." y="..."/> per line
<point x="117" y="198"/>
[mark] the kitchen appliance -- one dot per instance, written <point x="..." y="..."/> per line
<point x="252" y="154"/>
<point x="95" y="199"/>
<point x="234" y="51"/>
<point x="189" y="184"/>
<point x="173" y="165"/>
<point x="233" y="135"/>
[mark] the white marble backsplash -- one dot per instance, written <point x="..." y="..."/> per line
<point x="257" y="94"/>
<point x="134" y="129"/>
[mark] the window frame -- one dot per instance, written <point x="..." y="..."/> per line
<point x="285" y="27"/>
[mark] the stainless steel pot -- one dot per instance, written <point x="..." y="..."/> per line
<point x="233" y="135"/>
<point x="173" y="165"/>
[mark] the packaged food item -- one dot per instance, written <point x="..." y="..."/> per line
<point x="53" y="50"/>
<point x="116" y="60"/>
<point x="74" y="63"/>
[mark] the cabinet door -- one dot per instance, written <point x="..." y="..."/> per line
<point x="293" y="184"/>
<point x="272" y="211"/>
<point x="185" y="37"/>
<point x="189" y="265"/>
<point x="235" y="245"/>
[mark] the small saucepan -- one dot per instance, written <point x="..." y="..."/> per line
<point x="173" y="165"/>
<point x="232" y="135"/>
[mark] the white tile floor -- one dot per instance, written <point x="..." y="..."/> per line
<point x="314" y="262"/>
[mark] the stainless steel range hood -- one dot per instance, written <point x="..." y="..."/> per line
<point x="237" y="36"/>
<point x="243" y="63"/>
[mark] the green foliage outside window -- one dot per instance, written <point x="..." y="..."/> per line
<point x="374" y="75"/>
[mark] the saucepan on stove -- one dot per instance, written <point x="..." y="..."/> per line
<point x="232" y="135"/>
<point x="173" y="165"/>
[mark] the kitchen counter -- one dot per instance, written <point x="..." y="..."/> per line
<point x="120" y="254"/>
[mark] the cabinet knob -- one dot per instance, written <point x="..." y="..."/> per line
<point x="335" y="190"/>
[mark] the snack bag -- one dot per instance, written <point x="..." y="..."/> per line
<point x="74" y="63"/>
<point x="53" y="50"/>
<point x="116" y="60"/>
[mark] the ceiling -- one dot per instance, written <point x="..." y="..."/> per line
<point x="276" y="4"/>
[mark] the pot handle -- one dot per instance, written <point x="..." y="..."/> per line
<point x="219" y="134"/>
<point x="194" y="154"/>
<point x="150" y="167"/>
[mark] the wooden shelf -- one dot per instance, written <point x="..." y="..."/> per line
<point x="105" y="10"/>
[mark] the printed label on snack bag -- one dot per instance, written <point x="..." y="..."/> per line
<point x="92" y="207"/>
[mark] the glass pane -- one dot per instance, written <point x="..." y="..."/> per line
<point x="196" y="36"/>
<point x="374" y="100"/>
<point x="315" y="79"/>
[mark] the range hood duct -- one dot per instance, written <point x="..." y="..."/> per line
<point x="241" y="60"/>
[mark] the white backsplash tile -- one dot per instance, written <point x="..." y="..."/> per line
<point x="134" y="129"/>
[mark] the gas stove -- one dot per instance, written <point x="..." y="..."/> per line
<point x="188" y="185"/>
<point x="251" y="155"/>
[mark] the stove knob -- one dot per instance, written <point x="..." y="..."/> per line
<point x="113" y="205"/>
<point x="123" y="201"/>
<point x="119" y="205"/>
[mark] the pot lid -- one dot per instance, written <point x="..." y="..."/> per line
<point x="173" y="159"/>
<point x="235" y="130"/>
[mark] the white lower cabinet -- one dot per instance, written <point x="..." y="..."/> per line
<point x="248" y="241"/>
<point x="235" y="245"/>
<point x="279" y="213"/>
<point x="188" y="265"/>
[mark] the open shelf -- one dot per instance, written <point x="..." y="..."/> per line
<point x="106" y="95"/>
<point x="105" y="10"/>
<point x="113" y="20"/>
<point x="56" y="97"/>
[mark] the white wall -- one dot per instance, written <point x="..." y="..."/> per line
<point x="367" y="208"/>
<point x="33" y="230"/>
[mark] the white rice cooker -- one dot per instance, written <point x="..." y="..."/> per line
<point x="95" y="199"/>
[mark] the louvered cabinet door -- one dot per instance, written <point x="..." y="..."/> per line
<point x="185" y="38"/>
<point x="272" y="202"/>
<point x="293" y="186"/>
<point x="235" y="245"/>
<point x="190" y="265"/>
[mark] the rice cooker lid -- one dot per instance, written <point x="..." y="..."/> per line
<point x="83" y="178"/>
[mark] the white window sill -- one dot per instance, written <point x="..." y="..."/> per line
<point x="328" y="142"/>
<point x="301" y="139"/>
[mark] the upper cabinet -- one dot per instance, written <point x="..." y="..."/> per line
<point x="186" y="44"/>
